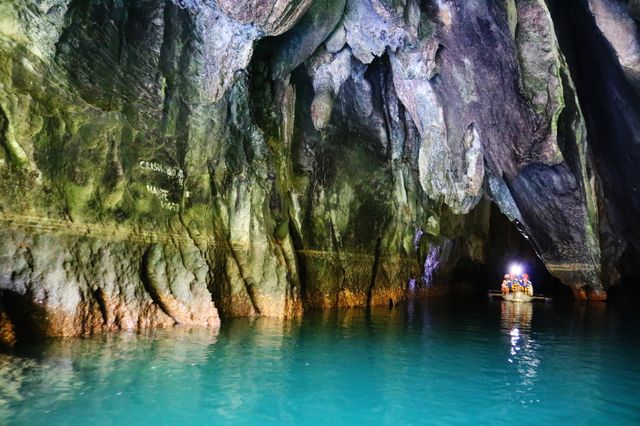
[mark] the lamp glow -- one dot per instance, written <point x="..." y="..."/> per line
<point x="515" y="269"/>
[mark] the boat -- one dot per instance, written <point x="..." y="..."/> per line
<point x="518" y="297"/>
<point x="516" y="287"/>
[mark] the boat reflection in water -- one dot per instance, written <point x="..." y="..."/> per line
<point x="516" y="315"/>
<point x="523" y="351"/>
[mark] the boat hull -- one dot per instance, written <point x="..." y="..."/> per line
<point x="517" y="297"/>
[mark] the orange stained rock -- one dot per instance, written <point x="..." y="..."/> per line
<point x="592" y="295"/>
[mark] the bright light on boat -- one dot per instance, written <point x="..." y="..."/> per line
<point x="515" y="269"/>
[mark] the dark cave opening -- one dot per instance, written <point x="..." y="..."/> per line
<point x="21" y="319"/>
<point x="503" y="245"/>
<point x="506" y="245"/>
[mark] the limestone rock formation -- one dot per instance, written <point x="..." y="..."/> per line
<point x="602" y="63"/>
<point x="171" y="162"/>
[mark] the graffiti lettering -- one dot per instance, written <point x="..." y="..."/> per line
<point x="163" y="196"/>
<point x="172" y="172"/>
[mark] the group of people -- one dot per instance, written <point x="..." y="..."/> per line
<point x="514" y="284"/>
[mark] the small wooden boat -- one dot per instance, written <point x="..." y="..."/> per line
<point x="517" y="297"/>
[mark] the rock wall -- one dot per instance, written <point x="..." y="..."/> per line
<point x="605" y="63"/>
<point x="170" y="162"/>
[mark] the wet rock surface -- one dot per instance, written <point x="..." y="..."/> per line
<point x="169" y="163"/>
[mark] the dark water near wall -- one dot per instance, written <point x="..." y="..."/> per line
<point x="438" y="361"/>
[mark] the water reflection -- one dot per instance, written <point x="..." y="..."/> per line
<point x="250" y="350"/>
<point x="523" y="350"/>
<point x="67" y="369"/>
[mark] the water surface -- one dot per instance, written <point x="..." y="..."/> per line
<point x="434" y="362"/>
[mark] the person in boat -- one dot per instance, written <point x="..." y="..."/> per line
<point x="517" y="285"/>
<point x="506" y="284"/>
<point x="528" y="285"/>
<point x="510" y="279"/>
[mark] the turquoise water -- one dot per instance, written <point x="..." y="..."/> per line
<point x="435" y="362"/>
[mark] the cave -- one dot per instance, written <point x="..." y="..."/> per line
<point x="300" y="161"/>
<point x="235" y="172"/>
